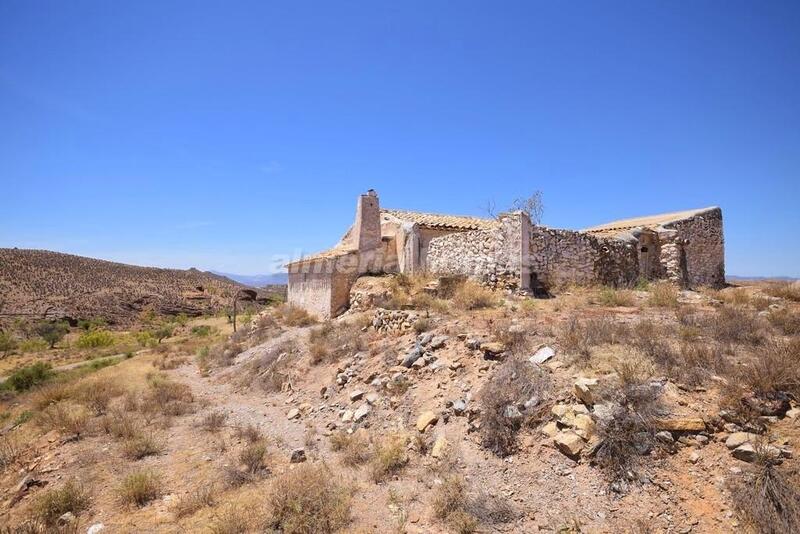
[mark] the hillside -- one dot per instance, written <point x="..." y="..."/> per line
<point x="35" y="282"/>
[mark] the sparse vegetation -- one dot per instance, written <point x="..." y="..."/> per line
<point x="389" y="458"/>
<point x="53" y="503"/>
<point x="253" y="457"/>
<point x="609" y="296"/>
<point x="293" y="316"/>
<point x="66" y="419"/>
<point x="450" y="503"/>
<point x="354" y="448"/>
<point x="189" y="503"/>
<point x="140" y="487"/>
<point x="95" y="339"/>
<point x="784" y="290"/>
<point x="473" y="296"/>
<point x="663" y="295"/>
<point x="308" y="499"/>
<point x="516" y="393"/>
<point x="140" y="445"/>
<point x="213" y="422"/>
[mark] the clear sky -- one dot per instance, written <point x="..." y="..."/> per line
<point x="223" y="134"/>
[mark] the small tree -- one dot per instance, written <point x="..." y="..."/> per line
<point x="162" y="333"/>
<point x="52" y="332"/>
<point x="532" y="206"/>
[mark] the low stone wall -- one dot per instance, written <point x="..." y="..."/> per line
<point x="394" y="321"/>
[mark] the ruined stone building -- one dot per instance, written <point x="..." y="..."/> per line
<point x="510" y="252"/>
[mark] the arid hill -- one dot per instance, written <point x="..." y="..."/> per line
<point x="39" y="282"/>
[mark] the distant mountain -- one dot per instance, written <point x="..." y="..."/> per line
<point x="776" y="278"/>
<point x="257" y="280"/>
<point x="39" y="283"/>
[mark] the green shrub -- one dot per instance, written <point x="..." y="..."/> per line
<point x="7" y="343"/>
<point x="51" y="332"/>
<point x="202" y="330"/>
<point x="145" y="339"/>
<point x="95" y="339"/>
<point x="33" y="345"/>
<point x="27" y="377"/>
<point x="162" y="333"/>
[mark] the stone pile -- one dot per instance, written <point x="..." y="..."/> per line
<point x="394" y="321"/>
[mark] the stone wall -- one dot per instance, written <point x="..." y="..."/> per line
<point x="693" y="250"/>
<point x="490" y="256"/>
<point x="561" y="257"/>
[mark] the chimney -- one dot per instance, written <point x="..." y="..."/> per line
<point x="367" y="235"/>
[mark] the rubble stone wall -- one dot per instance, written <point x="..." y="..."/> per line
<point x="693" y="250"/>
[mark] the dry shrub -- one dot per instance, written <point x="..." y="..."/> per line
<point x="627" y="432"/>
<point x="10" y="450"/>
<point x="140" y="446"/>
<point x="293" y="316"/>
<point x="167" y="362"/>
<point x="120" y="424"/>
<point x="36" y="526"/>
<point x="354" y="448"/>
<point x="249" y="433"/>
<point x="609" y="296"/>
<point x="308" y="499"/>
<point x="66" y="419"/>
<point x="213" y="422"/>
<point x="663" y="295"/>
<point x="195" y="500"/>
<point x="736" y="325"/>
<point x="96" y="394"/>
<point x="516" y="393"/>
<point x="274" y="370"/>
<point x="167" y="397"/>
<point x="578" y="336"/>
<point x="651" y="340"/>
<point x="785" y="321"/>
<point x="53" y="393"/>
<point x="334" y="341"/>
<point x="784" y="290"/>
<point x="234" y="518"/>
<point x="699" y="361"/>
<point x="421" y="325"/>
<point x="389" y="458"/>
<point x="775" y="368"/>
<point x="223" y="355"/>
<point x="139" y="487"/>
<point x="768" y="497"/>
<point x="253" y="457"/>
<point x="473" y="296"/>
<point x="512" y="335"/>
<point x="53" y="503"/>
<point x="450" y="505"/>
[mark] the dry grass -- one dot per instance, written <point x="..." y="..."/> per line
<point x="67" y="419"/>
<point x="331" y="341"/>
<point x="274" y="371"/>
<point x="213" y="422"/>
<point x="234" y="518"/>
<point x="609" y="296"/>
<point x="512" y="335"/>
<point x="768" y="498"/>
<point x="249" y="433"/>
<point x="775" y="368"/>
<point x="784" y="290"/>
<point x="141" y="445"/>
<point x="627" y="434"/>
<point x="197" y="499"/>
<point x="663" y="295"/>
<point x="10" y="450"/>
<point x="354" y="448"/>
<point x="450" y="502"/>
<point x="253" y="457"/>
<point x="120" y="424"/>
<point x="737" y="325"/>
<point x="785" y="321"/>
<point x="293" y="316"/>
<point x="515" y="384"/>
<point x="97" y="394"/>
<point x="389" y="458"/>
<point x="473" y="296"/>
<point x="139" y="488"/>
<point x="53" y="503"/>
<point x="308" y="499"/>
<point x="577" y="336"/>
<point x="166" y="397"/>
<point x="53" y="393"/>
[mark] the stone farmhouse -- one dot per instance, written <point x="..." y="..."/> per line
<point x="509" y="252"/>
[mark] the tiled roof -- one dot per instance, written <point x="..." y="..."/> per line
<point x="445" y="222"/>
<point x="331" y="253"/>
<point x="650" y="221"/>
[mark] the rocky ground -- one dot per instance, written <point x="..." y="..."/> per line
<point x="596" y="411"/>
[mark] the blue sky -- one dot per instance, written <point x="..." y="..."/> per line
<point x="224" y="135"/>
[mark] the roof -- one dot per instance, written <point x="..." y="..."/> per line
<point x="329" y="254"/>
<point x="445" y="222"/>
<point x="649" y="221"/>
